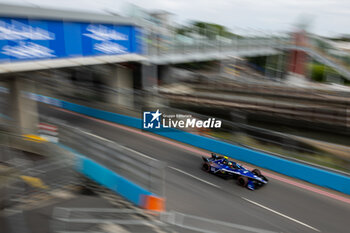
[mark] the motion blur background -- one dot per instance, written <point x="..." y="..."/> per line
<point x="277" y="73"/>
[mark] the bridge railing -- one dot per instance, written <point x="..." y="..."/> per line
<point x="207" y="45"/>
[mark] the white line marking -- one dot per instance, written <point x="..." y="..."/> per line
<point x="96" y="136"/>
<point x="137" y="152"/>
<point x="283" y="215"/>
<point x="121" y="146"/>
<point x="204" y="181"/>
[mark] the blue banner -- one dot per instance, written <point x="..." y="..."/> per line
<point x="27" y="39"/>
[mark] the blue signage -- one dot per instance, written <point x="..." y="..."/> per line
<point x="29" y="39"/>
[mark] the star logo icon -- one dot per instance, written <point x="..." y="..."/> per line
<point x="151" y="120"/>
<point x="156" y="115"/>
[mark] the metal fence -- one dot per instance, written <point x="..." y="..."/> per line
<point x="145" y="171"/>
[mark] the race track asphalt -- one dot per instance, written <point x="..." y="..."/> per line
<point x="279" y="206"/>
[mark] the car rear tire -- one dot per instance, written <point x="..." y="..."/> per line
<point x="242" y="181"/>
<point x="206" y="167"/>
<point x="256" y="172"/>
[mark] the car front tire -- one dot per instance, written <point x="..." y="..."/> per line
<point x="256" y="172"/>
<point x="242" y="181"/>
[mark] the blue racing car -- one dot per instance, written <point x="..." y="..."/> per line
<point x="226" y="168"/>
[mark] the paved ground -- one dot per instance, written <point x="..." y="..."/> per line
<point x="281" y="206"/>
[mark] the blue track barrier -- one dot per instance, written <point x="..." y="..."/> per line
<point x="113" y="181"/>
<point x="104" y="115"/>
<point x="301" y="171"/>
<point x="109" y="178"/>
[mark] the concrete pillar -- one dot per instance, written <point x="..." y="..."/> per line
<point x="152" y="76"/>
<point x="122" y="86"/>
<point x="23" y="111"/>
<point x="165" y="74"/>
<point x="149" y="79"/>
<point x="125" y="85"/>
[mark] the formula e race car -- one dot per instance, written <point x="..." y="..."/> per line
<point x="224" y="167"/>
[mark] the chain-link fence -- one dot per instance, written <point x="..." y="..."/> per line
<point x="145" y="171"/>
